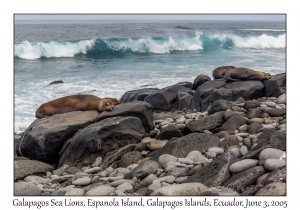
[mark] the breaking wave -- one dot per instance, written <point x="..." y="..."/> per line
<point x="154" y="45"/>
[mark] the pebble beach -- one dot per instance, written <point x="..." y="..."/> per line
<point x="186" y="152"/>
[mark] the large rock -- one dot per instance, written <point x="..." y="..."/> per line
<point x="23" y="168"/>
<point x="183" y="101"/>
<point x="181" y="147"/>
<point x="187" y="189"/>
<point x="207" y="122"/>
<point x="251" y="104"/>
<point x="219" y="105"/>
<point x="229" y="141"/>
<point x="243" y="179"/>
<point x="169" y="132"/>
<point x="144" y="169"/>
<point x="273" y="189"/>
<point x="101" y="190"/>
<point x="45" y="137"/>
<point x="116" y="155"/>
<point x="186" y="84"/>
<point x="271" y="153"/>
<point x="26" y="189"/>
<point x="254" y="113"/>
<point x="130" y="158"/>
<point x="275" y="86"/>
<point x="165" y="97"/>
<point x="142" y="110"/>
<point x="282" y="99"/>
<point x="219" y="191"/>
<point x="102" y="137"/>
<point x="278" y="175"/>
<point x="137" y="95"/>
<point x="216" y="172"/>
<point x="275" y="112"/>
<point x="268" y="138"/>
<point x="211" y="91"/>
<point x="242" y="165"/>
<point x="233" y="123"/>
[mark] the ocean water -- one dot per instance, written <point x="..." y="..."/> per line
<point x="108" y="58"/>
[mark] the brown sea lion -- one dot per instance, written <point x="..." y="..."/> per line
<point x="219" y="72"/>
<point x="199" y="80"/>
<point x="242" y="73"/>
<point x="75" y="103"/>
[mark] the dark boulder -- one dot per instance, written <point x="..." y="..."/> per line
<point x="101" y="137"/>
<point x="211" y="91"/>
<point x="165" y="97"/>
<point x="116" y="155"/>
<point x="140" y="109"/>
<point x="137" y="95"/>
<point x="216" y="172"/>
<point x="275" y="86"/>
<point x="168" y="133"/>
<point x="233" y="123"/>
<point x="251" y="104"/>
<point x="253" y="128"/>
<point x="274" y="112"/>
<point x="278" y="175"/>
<point x="245" y="178"/>
<point x="267" y="139"/>
<point x="186" y="84"/>
<point x="45" y="137"/>
<point x="183" y="101"/>
<point x="130" y="158"/>
<point x="204" y="92"/>
<point x="180" y="147"/>
<point x="144" y="169"/>
<point x="254" y="113"/>
<point x="219" y="105"/>
<point x="56" y="82"/>
<point x="207" y="122"/>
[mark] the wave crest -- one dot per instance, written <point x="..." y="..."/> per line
<point x="28" y="50"/>
<point x="155" y="45"/>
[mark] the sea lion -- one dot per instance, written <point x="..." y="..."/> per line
<point x="75" y="103"/>
<point x="219" y="72"/>
<point x="242" y="73"/>
<point x="199" y="80"/>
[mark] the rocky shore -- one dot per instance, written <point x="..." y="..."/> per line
<point x="220" y="139"/>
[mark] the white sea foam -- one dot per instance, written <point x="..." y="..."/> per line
<point x="262" y="29"/>
<point x="156" y="46"/>
<point x="28" y="50"/>
<point x="261" y="42"/>
<point x="258" y="42"/>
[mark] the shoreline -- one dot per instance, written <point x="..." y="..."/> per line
<point x="146" y="148"/>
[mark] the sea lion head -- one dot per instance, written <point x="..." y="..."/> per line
<point x="105" y="105"/>
<point x="267" y="76"/>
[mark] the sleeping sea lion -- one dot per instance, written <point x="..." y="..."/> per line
<point x="199" y="80"/>
<point x="219" y="72"/>
<point x="75" y="103"/>
<point x="242" y="73"/>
